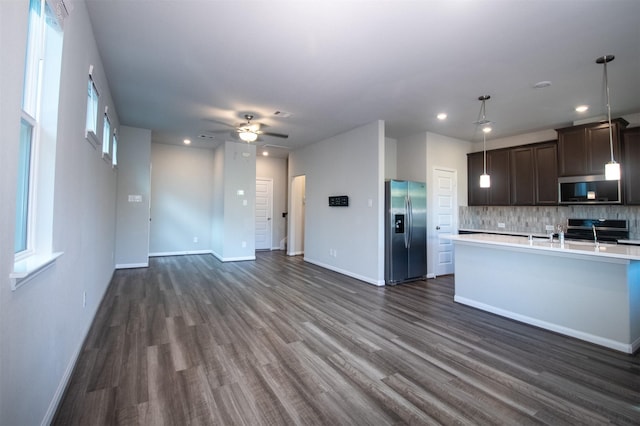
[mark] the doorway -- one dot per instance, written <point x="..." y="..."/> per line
<point x="297" y="216"/>
<point x="264" y="213"/>
<point x="445" y="218"/>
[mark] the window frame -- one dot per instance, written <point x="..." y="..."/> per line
<point x="114" y="149"/>
<point x="93" y="111"/>
<point x="106" y="136"/>
<point x="39" y="116"/>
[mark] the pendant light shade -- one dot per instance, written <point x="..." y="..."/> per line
<point x="612" y="168"/>
<point x="485" y="179"/>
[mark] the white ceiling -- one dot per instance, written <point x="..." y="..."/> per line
<point x="175" y="65"/>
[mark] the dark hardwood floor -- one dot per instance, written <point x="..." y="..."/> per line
<point x="191" y="340"/>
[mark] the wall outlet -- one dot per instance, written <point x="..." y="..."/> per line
<point x="195" y="239"/>
<point x="84" y="299"/>
<point x="500" y="224"/>
<point x="549" y="228"/>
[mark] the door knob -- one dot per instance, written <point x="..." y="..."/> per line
<point x="437" y="228"/>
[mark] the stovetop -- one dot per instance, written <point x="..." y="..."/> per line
<point x="606" y="229"/>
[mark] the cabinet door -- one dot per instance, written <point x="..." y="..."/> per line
<point x="599" y="148"/>
<point x="523" y="176"/>
<point x="498" y="169"/>
<point x="572" y="149"/>
<point x="584" y="150"/>
<point x="546" y="174"/>
<point x="631" y="165"/>
<point x="475" y="167"/>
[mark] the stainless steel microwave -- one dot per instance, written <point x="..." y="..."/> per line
<point x="589" y="190"/>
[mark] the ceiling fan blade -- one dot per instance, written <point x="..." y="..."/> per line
<point x="275" y="135"/>
<point x="213" y="120"/>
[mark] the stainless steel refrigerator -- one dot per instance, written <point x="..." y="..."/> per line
<point x="405" y="231"/>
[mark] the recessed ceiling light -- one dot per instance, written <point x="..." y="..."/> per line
<point x="187" y="141"/>
<point x="442" y="116"/>
<point x="542" y="84"/>
<point x="582" y="108"/>
<point x="265" y="153"/>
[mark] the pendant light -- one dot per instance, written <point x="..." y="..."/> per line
<point x="485" y="179"/>
<point x="612" y="168"/>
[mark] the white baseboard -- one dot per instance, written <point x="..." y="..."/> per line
<point x="132" y="265"/>
<point x="368" y="280"/>
<point x="179" y="253"/>
<point x="295" y="253"/>
<point x="432" y="275"/>
<point x="587" y="337"/>
<point x="232" y="259"/>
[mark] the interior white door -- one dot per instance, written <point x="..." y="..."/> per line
<point x="445" y="218"/>
<point x="264" y="213"/>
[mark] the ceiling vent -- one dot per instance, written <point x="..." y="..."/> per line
<point x="282" y="114"/>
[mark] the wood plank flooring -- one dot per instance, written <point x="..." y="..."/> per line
<point x="193" y="341"/>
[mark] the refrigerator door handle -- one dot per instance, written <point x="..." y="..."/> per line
<point x="410" y="220"/>
<point x="408" y="224"/>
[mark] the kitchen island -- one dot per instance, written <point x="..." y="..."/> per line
<point x="577" y="288"/>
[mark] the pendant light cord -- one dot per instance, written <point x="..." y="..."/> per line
<point x="606" y="84"/>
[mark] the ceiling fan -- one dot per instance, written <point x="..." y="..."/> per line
<point x="250" y="131"/>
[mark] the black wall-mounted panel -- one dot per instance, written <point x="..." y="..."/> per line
<point x="339" y="201"/>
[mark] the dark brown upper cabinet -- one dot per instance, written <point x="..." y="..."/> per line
<point x="584" y="150"/>
<point x="498" y="168"/>
<point x="534" y="177"/>
<point x="631" y="165"/>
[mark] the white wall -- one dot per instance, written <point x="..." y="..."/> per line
<point x="43" y="323"/>
<point x="181" y="199"/>
<point x="346" y="239"/>
<point x="134" y="178"/>
<point x="411" y="158"/>
<point x="276" y="170"/>
<point x="390" y="158"/>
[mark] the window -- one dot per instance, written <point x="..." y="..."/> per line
<point x="114" y="153"/>
<point x="92" y="110"/>
<point x="106" y="136"/>
<point x="22" y="202"/>
<point x="38" y="130"/>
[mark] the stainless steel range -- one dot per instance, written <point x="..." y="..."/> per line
<point x="610" y="230"/>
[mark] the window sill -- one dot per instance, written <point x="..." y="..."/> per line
<point x="106" y="157"/>
<point x="27" y="269"/>
<point x="92" y="138"/>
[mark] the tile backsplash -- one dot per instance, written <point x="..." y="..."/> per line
<point x="533" y="219"/>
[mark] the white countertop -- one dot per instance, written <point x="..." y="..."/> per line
<point x="603" y="250"/>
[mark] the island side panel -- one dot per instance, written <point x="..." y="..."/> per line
<point x="584" y="298"/>
<point x="634" y="303"/>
